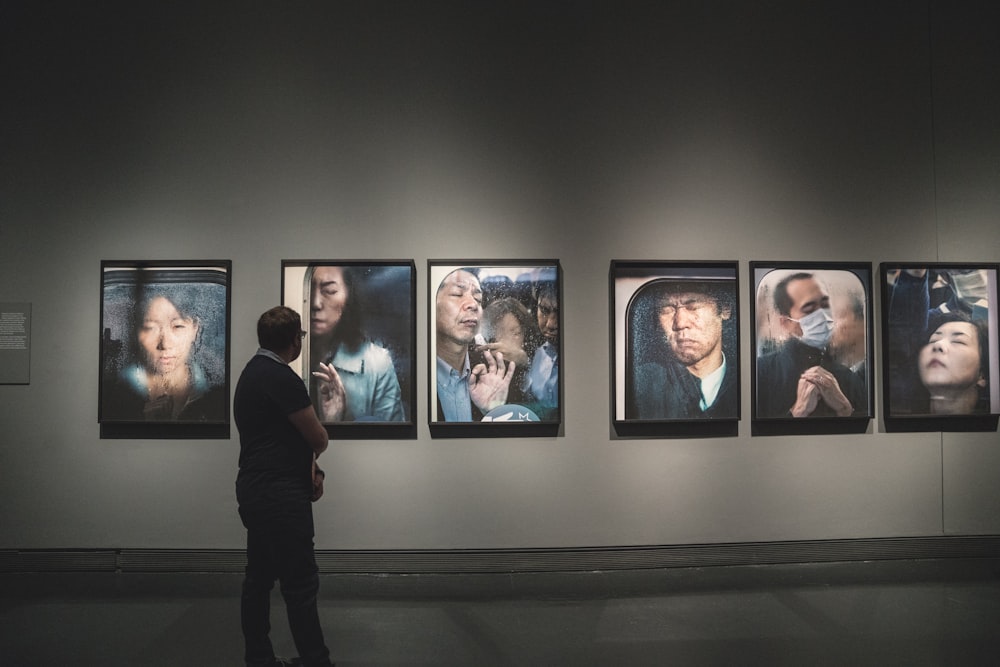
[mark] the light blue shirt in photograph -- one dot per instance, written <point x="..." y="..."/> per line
<point x="453" y="391"/>
<point x="542" y="380"/>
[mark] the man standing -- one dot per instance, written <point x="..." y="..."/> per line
<point x="280" y="439"/>
<point x="695" y="380"/>
<point x="800" y="379"/>
<point x="465" y="392"/>
<point x="542" y="381"/>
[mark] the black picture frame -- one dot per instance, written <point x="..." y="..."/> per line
<point x="370" y="342"/>
<point x="783" y="350"/>
<point x="938" y="322"/>
<point x="165" y="324"/>
<point x="657" y="385"/>
<point x="512" y="294"/>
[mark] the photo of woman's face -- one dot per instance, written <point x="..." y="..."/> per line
<point x="950" y="359"/>
<point x="329" y="296"/>
<point x="166" y="336"/>
<point x="509" y="330"/>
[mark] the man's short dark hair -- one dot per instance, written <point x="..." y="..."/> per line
<point x="546" y="290"/>
<point x="783" y="302"/>
<point x="474" y="270"/>
<point x="278" y="328"/>
<point x="721" y="294"/>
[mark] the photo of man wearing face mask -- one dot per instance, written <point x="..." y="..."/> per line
<point x="803" y="377"/>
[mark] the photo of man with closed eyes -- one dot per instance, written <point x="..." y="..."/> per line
<point x="491" y="328"/>
<point x="682" y="361"/>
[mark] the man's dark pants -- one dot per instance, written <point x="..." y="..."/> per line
<point x="282" y="551"/>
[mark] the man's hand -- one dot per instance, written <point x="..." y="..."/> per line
<point x="806" y="399"/>
<point x="818" y="384"/>
<point x="829" y="390"/>
<point x="332" y="395"/>
<point x="509" y="351"/>
<point x="490" y="382"/>
<point x="318" y="477"/>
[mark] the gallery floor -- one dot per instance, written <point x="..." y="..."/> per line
<point x="932" y="612"/>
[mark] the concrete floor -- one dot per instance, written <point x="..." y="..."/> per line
<point x="936" y="612"/>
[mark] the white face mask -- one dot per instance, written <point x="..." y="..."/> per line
<point x="817" y="327"/>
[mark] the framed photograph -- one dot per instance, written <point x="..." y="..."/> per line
<point x="675" y="345"/>
<point x="812" y="344"/>
<point x="940" y="356"/>
<point x="495" y="343"/>
<point x="359" y="319"/>
<point x="164" y="351"/>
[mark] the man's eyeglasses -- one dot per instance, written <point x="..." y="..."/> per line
<point x="302" y="335"/>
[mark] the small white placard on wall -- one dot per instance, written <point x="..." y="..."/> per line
<point x="15" y="343"/>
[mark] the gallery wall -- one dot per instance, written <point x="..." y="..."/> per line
<point x="586" y="132"/>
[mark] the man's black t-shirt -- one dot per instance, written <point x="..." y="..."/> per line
<point x="274" y="481"/>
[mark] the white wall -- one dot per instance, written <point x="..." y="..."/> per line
<point x="708" y="131"/>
